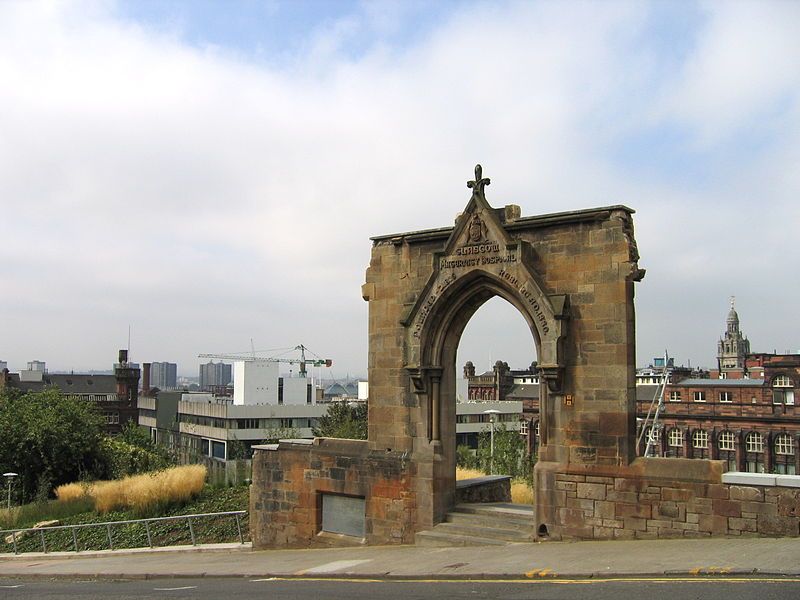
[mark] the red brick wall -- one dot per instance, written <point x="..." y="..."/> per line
<point x="285" y="499"/>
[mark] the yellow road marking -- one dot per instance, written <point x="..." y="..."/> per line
<point x="551" y="581"/>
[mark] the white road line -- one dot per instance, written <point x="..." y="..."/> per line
<point x="333" y="566"/>
<point x="11" y="587"/>
<point x="186" y="587"/>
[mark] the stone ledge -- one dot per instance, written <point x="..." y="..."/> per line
<point x="761" y="479"/>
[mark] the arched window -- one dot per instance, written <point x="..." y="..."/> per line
<point x="727" y="440"/>
<point x="784" y="444"/>
<point x="700" y="438"/>
<point x="782" y="392"/>
<point x="675" y="437"/>
<point x="754" y="442"/>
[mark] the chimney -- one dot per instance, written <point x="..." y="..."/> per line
<point x="145" y="378"/>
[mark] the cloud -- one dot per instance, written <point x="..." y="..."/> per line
<point x="207" y="198"/>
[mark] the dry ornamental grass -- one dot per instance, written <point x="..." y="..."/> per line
<point x="142" y="493"/>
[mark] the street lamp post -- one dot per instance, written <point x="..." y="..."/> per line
<point x="491" y="412"/>
<point x="9" y="481"/>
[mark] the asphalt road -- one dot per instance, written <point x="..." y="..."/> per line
<point x="280" y="589"/>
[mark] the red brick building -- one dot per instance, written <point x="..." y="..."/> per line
<point x="746" y="415"/>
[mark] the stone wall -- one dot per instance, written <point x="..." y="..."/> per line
<point x="491" y="488"/>
<point x="661" y="498"/>
<point x="290" y="478"/>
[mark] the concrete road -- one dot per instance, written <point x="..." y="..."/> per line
<point x="283" y="589"/>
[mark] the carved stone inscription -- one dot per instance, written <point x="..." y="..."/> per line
<point x="530" y="298"/>
<point x="425" y="310"/>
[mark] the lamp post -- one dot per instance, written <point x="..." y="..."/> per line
<point x="491" y="412"/>
<point x="9" y="481"/>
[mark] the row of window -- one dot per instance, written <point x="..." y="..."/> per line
<point x="779" y="396"/>
<point x="286" y="423"/>
<point x="754" y="442"/>
<point x="484" y="418"/>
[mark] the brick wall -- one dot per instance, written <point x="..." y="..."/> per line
<point x="290" y="478"/>
<point x="660" y="498"/>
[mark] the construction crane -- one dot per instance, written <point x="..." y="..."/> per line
<point x="251" y="357"/>
<point x="651" y="425"/>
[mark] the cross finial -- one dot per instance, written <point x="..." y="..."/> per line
<point x="480" y="182"/>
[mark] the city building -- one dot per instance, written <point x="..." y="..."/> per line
<point x="115" y="395"/>
<point x="504" y="386"/>
<point x="164" y="375"/>
<point x="220" y="426"/>
<point x="215" y="375"/>
<point x="37" y="365"/>
<point x="3" y="365"/>
<point x="745" y="413"/>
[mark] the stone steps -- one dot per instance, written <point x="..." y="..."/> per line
<point x="481" y="525"/>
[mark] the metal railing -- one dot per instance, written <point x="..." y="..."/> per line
<point x="236" y="514"/>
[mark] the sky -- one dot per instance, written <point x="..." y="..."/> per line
<point x="209" y="173"/>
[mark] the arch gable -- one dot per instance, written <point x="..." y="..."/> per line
<point x="479" y="260"/>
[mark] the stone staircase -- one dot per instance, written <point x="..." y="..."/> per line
<point x="492" y="524"/>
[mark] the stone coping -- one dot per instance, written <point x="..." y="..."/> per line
<point x="478" y="481"/>
<point x="572" y="216"/>
<point x="762" y="479"/>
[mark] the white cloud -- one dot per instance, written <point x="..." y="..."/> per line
<point x="208" y="200"/>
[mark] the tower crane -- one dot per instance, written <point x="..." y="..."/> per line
<point x="251" y="357"/>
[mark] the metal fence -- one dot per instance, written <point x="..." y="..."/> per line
<point x="236" y="514"/>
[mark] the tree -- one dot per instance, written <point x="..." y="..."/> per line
<point x="133" y="452"/>
<point x="509" y="452"/>
<point x="49" y="439"/>
<point x="344" y="420"/>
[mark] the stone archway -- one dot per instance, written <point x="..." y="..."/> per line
<point x="571" y="277"/>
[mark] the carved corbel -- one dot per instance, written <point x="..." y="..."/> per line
<point x="553" y="376"/>
<point x="417" y="377"/>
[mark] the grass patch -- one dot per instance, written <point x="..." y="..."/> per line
<point x="521" y="492"/>
<point x="464" y="473"/>
<point x="146" y="495"/>
<point x="20" y="517"/>
<point x="207" y="531"/>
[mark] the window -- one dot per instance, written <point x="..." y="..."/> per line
<point x="754" y="442"/>
<point x="112" y="418"/>
<point x="653" y="435"/>
<point x="726" y="396"/>
<point x="675" y="396"/>
<point x="218" y="450"/>
<point x="536" y="429"/>
<point x="700" y="438"/>
<point x="699" y="396"/>
<point x="782" y="392"/>
<point x="727" y="441"/>
<point x="784" y="444"/>
<point x="675" y="437"/>
<point x="523" y="427"/>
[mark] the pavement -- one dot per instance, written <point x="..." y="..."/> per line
<point x="568" y="560"/>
